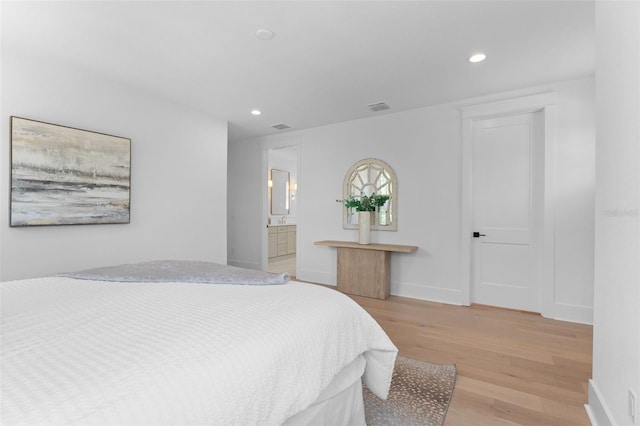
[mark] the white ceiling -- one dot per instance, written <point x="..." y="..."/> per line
<point x="327" y="61"/>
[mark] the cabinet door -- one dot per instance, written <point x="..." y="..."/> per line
<point x="291" y="236"/>
<point x="282" y="244"/>
<point x="273" y="244"/>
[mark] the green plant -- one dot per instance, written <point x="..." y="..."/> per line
<point x="366" y="203"/>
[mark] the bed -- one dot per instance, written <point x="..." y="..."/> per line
<point x="87" y="350"/>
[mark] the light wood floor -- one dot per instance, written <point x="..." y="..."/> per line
<point x="514" y="368"/>
<point x="282" y="264"/>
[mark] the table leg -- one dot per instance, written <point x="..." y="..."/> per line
<point x="364" y="272"/>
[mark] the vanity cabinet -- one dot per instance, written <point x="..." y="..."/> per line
<point x="273" y="242"/>
<point x="282" y="240"/>
<point x="291" y="240"/>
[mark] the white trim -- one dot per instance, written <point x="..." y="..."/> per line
<point x="547" y="275"/>
<point x="317" y="277"/>
<point x="544" y="102"/>
<point x="573" y="313"/>
<point x="243" y="264"/>
<point x="300" y="198"/>
<point x="264" y="182"/>
<point x="517" y="105"/>
<point x="284" y="142"/>
<point x="427" y="292"/>
<point x="597" y="409"/>
<point x="466" y="206"/>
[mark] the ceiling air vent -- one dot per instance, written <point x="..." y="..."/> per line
<point x="280" y="126"/>
<point x="378" y="107"/>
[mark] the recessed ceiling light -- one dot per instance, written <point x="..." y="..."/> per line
<point x="477" y="57"/>
<point x="256" y="112"/>
<point x="264" y="34"/>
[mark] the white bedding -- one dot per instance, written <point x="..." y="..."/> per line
<point x="90" y="352"/>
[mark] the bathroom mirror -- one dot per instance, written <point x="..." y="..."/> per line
<point x="279" y="192"/>
<point x="367" y="177"/>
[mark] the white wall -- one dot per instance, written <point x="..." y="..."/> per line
<point x="423" y="146"/>
<point x="616" y="340"/>
<point x="178" y="172"/>
<point x="574" y="204"/>
<point x="245" y="207"/>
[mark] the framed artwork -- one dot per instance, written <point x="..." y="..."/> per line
<point x="66" y="176"/>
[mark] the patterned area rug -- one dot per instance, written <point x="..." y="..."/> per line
<point x="420" y="395"/>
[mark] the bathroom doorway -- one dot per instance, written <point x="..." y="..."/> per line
<point x="282" y="209"/>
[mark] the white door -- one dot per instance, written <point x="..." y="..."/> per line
<point x="507" y="170"/>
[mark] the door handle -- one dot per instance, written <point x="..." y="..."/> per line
<point x="478" y="235"/>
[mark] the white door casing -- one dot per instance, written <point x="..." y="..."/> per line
<point x="506" y="181"/>
<point x="545" y="105"/>
<point x="280" y="143"/>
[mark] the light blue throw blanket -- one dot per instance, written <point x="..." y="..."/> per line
<point x="179" y="271"/>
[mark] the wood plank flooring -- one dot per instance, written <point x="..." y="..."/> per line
<point x="282" y="264"/>
<point x="514" y="368"/>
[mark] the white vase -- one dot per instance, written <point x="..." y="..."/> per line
<point x="364" y="227"/>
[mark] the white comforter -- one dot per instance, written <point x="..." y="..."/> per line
<point x="89" y="352"/>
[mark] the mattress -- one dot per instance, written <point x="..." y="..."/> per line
<point x="94" y="352"/>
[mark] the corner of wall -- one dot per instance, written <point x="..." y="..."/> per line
<point x="597" y="409"/>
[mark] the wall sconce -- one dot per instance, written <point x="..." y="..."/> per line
<point x="270" y="183"/>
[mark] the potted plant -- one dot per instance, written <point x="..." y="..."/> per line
<point x="364" y="205"/>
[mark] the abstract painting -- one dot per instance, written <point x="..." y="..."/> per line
<point x="66" y="176"/>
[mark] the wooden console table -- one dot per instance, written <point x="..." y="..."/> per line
<point x="365" y="269"/>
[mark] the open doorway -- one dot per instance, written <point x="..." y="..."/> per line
<point x="282" y="208"/>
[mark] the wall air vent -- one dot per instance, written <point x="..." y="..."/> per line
<point x="280" y="126"/>
<point x="381" y="106"/>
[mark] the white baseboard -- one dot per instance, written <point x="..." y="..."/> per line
<point x="597" y="409"/>
<point x="573" y="313"/>
<point x="243" y="264"/>
<point x="562" y="311"/>
<point x="316" y="277"/>
<point x="413" y="291"/>
<point x="425" y="292"/>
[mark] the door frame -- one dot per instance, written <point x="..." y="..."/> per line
<point x="279" y="143"/>
<point x="546" y="104"/>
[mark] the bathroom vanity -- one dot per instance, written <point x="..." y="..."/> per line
<point x="282" y="240"/>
